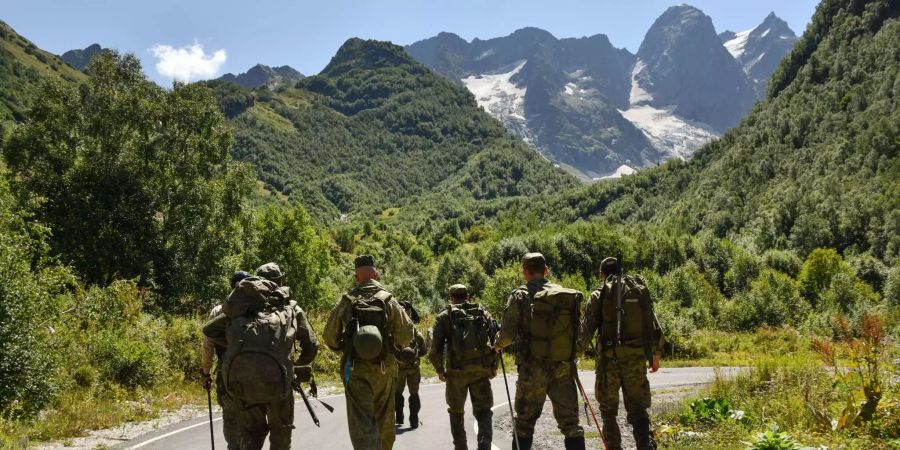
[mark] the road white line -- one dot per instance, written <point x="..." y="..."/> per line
<point x="171" y="433"/>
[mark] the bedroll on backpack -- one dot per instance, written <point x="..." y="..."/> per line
<point x="470" y="337"/>
<point x="554" y="324"/>
<point x="257" y="366"/>
<point x="371" y="340"/>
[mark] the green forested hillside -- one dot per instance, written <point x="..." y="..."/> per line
<point x="22" y="67"/>
<point x="376" y="129"/>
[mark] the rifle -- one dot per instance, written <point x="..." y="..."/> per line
<point x="620" y="307"/>
<point x="298" y="388"/>
<point x="314" y="393"/>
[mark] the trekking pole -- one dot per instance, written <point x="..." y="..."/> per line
<point x="212" y="434"/>
<point x="309" y="408"/>
<point x="512" y="413"/>
<point x="587" y="402"/>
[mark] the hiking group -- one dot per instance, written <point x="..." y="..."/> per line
<point x="265" y="346"/>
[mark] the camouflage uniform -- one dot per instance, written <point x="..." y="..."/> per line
<point x="538" y="379"/>
<point x="275" y="419"/>
<point x="370" y="390"/>
<point x="410" y="376"/>
<point x="230" y="427"/>
<point x="472" y="381"/>
<point x="619" y="367"/>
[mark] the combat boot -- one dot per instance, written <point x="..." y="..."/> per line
<point x="485" y="429"/>
<point x="415" y="404"/>
<point x="398" y="407"/>
<point x="575" y="443"/>
<point x="524" y="443"/>
<point x="458" y="431"/>
<point x="643" y="439"/>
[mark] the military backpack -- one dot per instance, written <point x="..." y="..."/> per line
<point x="553" y="327"/>
<point x="262" y="328"/>
<point x="369" y="330"/>
<point x="470" y="337"/>
<point x="637" y="326"/>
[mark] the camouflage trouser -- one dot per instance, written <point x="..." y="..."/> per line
<point x="231" y="429"/>
<point x="370" y="407"/>
<point x="275" y="419"/>
<point x="539" y="380"/>
<point x="476" y="385"/>
<point x="409" y="377"/>
<point x="629" y="373"/>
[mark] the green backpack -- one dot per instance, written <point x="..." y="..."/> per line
<point x="371" y="339"/>
<point x="637" y="313"/>
<point x="553" y="329"/>
<point x="257" y="366"/>
<point x="471" y="337"/>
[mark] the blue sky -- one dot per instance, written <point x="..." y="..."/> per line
<point x="231" y="36"/>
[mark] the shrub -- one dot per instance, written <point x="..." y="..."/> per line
<point x="784" y="261"/>
<point x="772" y="439"/>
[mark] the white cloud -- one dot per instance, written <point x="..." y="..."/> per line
<point x="187" y="63"/>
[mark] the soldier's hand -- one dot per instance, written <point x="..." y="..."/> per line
<point x="442" y="376"/>
<point x="493" y="373"/>
<point x="654" y="366"/>
<point x="206" y="381"/>
<point x="497" y="348"/>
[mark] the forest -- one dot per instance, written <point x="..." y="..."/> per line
<point x="125" y="207"/>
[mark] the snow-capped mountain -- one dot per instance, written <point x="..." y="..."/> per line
<point x="599" y="110"/>
<point x="760" y="49"/>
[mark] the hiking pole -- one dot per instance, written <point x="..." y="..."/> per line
<point x="587" y="402"/>
<point x="512" y="413"/>
<point x="212" y="434"/>
<point x="309" y="407"/>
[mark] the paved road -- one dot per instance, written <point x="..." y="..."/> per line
<point x="433" y="434"/>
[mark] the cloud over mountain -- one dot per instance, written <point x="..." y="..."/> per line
<point x="187" y="63"/>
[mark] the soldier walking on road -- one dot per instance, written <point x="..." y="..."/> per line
<point x="230" y="427"/>
<point x="260" y="326"/>
<point x="408" y="373"/>
<point x="463" y="335"/>
<point x="630" y="338"/>
<point x="367" y="326"/>
<point x="542" y="319"/>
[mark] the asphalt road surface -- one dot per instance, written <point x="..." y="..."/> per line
<point x="432" y="434"/>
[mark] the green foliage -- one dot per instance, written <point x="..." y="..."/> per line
<point x="135" y="181"/>
<point x="772" y="300"/>
<point x="709" y="411"/>
<point x="772" y="439"/>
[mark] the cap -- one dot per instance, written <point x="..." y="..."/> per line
<point x="459" y="289"/>
<point x="269" y="271"/>
<point x="534" y="261"/>
<point x="609" y="266"/>
<point x="238" y="276"/>
<point x="364" y="261"/>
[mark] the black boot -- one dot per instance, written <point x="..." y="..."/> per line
<point x="458" y="430"/>
<point x="643" y="439"/>
<point x="575" y="443"/>
<point x="524" y="443"/>
<point x="398" y="406"/>
<point x="485" y="429"/>
<point x="611" y="433"/>
<point x="414" y="406"/>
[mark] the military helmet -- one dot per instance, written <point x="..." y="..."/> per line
<point x="364" y="261"/>
<point x="368" y="342"/>
<point x="270" y="271"/>
<point x="459" y="290"/>
<point x="610" y="266"/>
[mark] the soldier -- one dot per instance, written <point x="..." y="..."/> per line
<point x="367" y="325"/>
<point x="630" y="338"/>
<point x="463" y="335"/>
<point x="253" y="370"/>
<point x="230" y="427"/>
<point x="408" y="372"/>
<point x="542" y="319"/>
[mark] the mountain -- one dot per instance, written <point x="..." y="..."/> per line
<point x="261" y="75"/>
<point x="760" y="49"/>
<point x="815" y="165"/>
<point x="22" y="68"/>
<point x="376" y="129"/>
<point x="80" y="59"/>
<point x="560" y="95"/>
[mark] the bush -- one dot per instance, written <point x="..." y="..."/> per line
<point x="131" y="361"/>
<point x="784" y="261"/>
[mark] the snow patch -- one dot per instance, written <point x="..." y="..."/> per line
<point x="675" y="136"/>
<point x="765" y="33"/>
<point x="638" y="94"/>
<point x="571" y="88"/>
<point x="487" y="53"/>
<point x="736" y="45"/>
<point x="622" y="171"/>
<point x="500" y="97"/>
